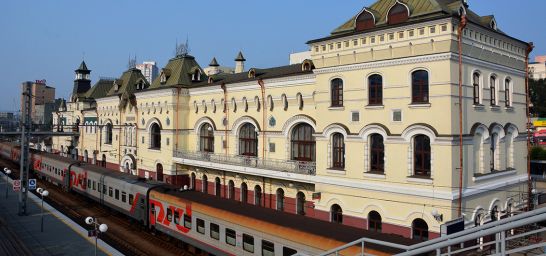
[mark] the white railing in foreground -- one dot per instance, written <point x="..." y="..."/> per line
<point x="451" y="244"/>
<point x="292" y="166"/>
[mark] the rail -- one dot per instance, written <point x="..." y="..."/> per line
<point x="506" y="239"/>
<point x="299" y="167"/>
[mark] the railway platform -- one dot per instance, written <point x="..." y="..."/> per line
<point x="21" y="235"/>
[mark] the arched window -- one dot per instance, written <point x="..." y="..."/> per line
<point x="365" y="21"/>
<point x="398" y="14"/>
<point x="205" y="188"/>
<point x="206" y="138"/>
<point x="377" y="153"/>
<point x="155" y="136"/>
<point x="336" y="214"/>
<point x="303" y="143"/>
<point x="477" y="91"/>
<point x="419" y="87"/>
<point x="493" y="90"/>
<point x="244" y="193"/>
<point x="507" y="93"/>
<point x="257" y="195"/>
<point x="300" y="203"/>
<point x="104" y="160"/>
<point x="375" y="90"/>
<point x="231" y="190"/>
<point x="338" y="151"/>
<point x="494" y="152"/>
<point x="421" y="155"/>
<point x="108" y="135"/>
<point x="248" y="140"/>
<point x="217" y="187"/>
<point x="280" y="199"/>
<point x="192" y="181"/>
<point x="336" y="92"/>
<point x="495" y="214"/>
<point x="419" y="230"/>
<point x="159" y="172"/>
<point x="374" y="221"/>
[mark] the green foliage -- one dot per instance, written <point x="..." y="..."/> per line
<point x="537" y="93"/>
<point x="538" y="153"/>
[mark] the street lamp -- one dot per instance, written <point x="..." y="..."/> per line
<point x="98" y="228"/>
<point x="8" y="172"/>
<point x="43" y="193"/>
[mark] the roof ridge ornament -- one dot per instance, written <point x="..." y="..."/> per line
<point x="131" y="63"/>
<point x="183" y="49"/>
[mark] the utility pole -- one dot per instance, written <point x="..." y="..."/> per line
<point x="26" y="126"/>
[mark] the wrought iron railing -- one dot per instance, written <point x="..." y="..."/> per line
<point x="292" y="166"/>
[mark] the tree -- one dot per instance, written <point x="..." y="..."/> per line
<point x="537" y="93"/>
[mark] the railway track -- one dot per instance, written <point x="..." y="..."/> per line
<point x="127" y="237"/>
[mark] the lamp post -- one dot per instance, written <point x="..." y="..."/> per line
<point x="43" y="193"/>
<point x="8" y="172"/>
<point x="98" y="228"/>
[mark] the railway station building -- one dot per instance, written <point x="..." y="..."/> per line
<point x="364" y="133"/>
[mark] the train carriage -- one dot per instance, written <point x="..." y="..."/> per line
<point x="50" y="167"/>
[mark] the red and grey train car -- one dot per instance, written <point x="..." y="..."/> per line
<point x="218" y="226"/>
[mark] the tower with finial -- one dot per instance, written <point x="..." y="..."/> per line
<point x="82" y="82"/>
<point x="240" y="63"/>
<point x="214" y="67"/>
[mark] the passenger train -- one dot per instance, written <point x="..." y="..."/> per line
<point x="215" y="225"/>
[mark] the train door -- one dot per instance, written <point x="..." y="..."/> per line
<point x="67" y="179"/>
<point x="102" y="191"/>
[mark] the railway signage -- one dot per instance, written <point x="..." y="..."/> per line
<point x="92" y="233"/>
<point x="32" y="184"/>
<point x="452" y="227"/>
<point x="16" y="185"/>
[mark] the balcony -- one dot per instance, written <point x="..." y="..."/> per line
<point x="285" y="166"/>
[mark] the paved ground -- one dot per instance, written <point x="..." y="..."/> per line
<point x="61" y="235"/>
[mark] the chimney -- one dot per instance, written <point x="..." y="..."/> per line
<point x="240" y="63"/>
<point x="214" y="67"/>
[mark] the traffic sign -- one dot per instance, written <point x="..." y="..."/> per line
<point x="16" y="185"/>
<point x="32" y="184"/>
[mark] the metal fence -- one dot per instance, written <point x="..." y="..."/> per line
<point x="299" y="167"/>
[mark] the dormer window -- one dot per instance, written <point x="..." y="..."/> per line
<point x="493" y="24"/>
<point x="196" y="75"/>
<point x="165" y="74"/>
<point x="211" y="80"/>
<point x="307" y="65"/>
<point x="140" y="85"/>
<point x="365" y="20"/>
<point x="398" y="13"/>
<point x="116" y="85"/>
<point x="163" y="78"/>
<point x="252" y="73"/>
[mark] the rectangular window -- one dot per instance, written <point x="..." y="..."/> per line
<point x="117" y="194"/>
<point x="381" y="38"/>
<point x="131" y="199"/>
<point x="391" y="36"/>
<point x="272" y="147"/>
<point x="94" y="185"/>
<point x="401" y="35"/>
<point x="176" y="217"/>
<point x="432" y="29"/>
<point x="363" y="41"/>
<point x="372" y="39"/>
<point x="316" y="48"/>
<point x="339" y="45"/>
<point x="248" y="243"/>
<point x="323" y="47"/>
<point x="443" y="27"/>
<point x="355" y="42"/>
<point x="169" y="214"/>
<point x="123" y="197"/>
<point x="214" y="231"/>
<point x="88" y="183"/>
<point x="268" y="248"/>
<point x="200" y="226"/>
<point x="422" y="31"/>
<point x="331" y="46"/>
<point x="187" y="221"/>
<point x="355" y="116"/>
<point x="411" y="33"/>
<point x="397" y="115"/>
<point x="231" y="236"/>
<point x="286" y="251"/>
<point x="104" y="189"/>
<point x="110" y="192"/>
<point x="99" y="187"/>
<point x="346" y="43"/>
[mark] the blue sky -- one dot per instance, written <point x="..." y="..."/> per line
<point x="48" y="39"/>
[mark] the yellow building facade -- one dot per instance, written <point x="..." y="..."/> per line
<point x="365" y="133"/>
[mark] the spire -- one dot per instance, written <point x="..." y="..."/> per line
<point x="214" y="63"/>
<point x="83" y="66"/>
<point x="240" y="57"/>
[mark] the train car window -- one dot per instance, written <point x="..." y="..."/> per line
<point x="169" y="214"/>
<point x="131" y="199"/>
<point x="268" y="248"/>
<point x="286" y="251"/>
<point x="177" y="217"/>
<point x="231" y="236"/>
<point x="110" y="192"/>
<point x="104" y="189"/>
<point x="117" y="194"/>
<point x="123" y="197"/>
<point x="201" y="226"/>
<point x="88" y="183"/>
<point x="187" y="221"/>
<point x="214" y="231"/>
<point x="99" y="186"/>
<point x="94" y="185"/>
<point x="248" y="243"/>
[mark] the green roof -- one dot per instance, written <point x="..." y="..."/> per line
<point x="127" y="82"/>
<point x="178" y="72"/>
<point x="100" y="89"/>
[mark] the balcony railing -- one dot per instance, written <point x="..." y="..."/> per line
<point x="299" y="167"/>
